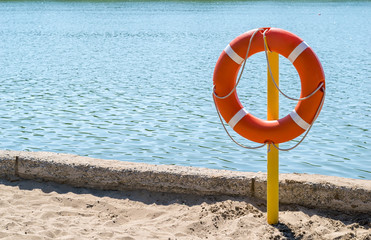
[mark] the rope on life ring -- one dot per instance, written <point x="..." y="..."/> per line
<point x="309" y="105"/>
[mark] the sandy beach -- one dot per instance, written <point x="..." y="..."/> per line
<point x="45" y="210"/>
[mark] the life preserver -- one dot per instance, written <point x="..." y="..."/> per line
<point x="311" y="76"/>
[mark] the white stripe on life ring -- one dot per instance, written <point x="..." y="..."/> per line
<point x="233" y="55"/>
<point x="299" y="121"/>
<point x="237" y="117"/>
<point x="297" y="51"/>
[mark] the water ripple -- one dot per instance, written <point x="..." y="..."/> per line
<point x="132" y="81"/>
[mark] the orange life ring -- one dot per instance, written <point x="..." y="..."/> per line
<point x="311" y="76"/>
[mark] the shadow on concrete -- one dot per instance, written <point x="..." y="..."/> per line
<point x="144" y="196"/>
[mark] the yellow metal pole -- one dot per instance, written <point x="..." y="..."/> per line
<point x="272" y="155"/>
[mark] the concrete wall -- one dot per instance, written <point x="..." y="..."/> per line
<point x="317" y="191"/>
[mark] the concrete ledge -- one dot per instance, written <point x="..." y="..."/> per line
<point x="317" y="191"/>
<point x="7" y="164"/>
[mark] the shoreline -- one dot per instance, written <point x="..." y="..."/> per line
<point x="308" y="190"/>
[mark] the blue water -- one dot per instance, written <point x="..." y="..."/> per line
<point x="132" y="81"/>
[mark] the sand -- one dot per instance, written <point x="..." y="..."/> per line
<point x="47" y="210"/>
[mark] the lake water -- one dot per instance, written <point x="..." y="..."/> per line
<point x="132" y="81"/>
